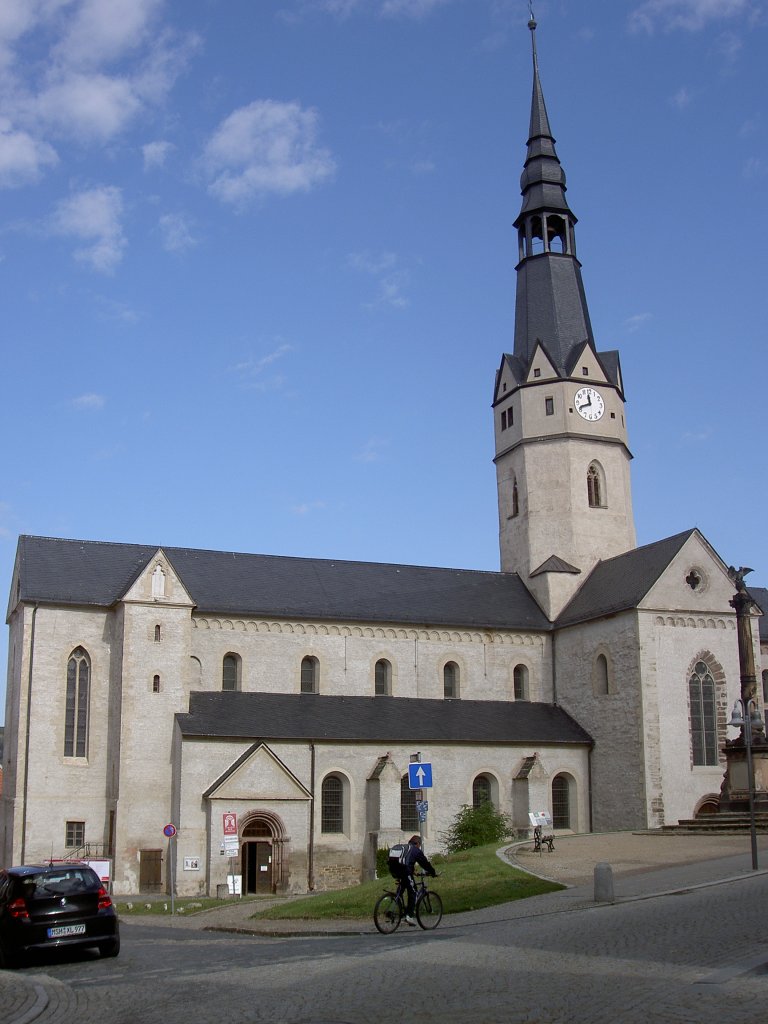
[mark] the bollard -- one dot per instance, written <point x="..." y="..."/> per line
<point x="604" y="883"/>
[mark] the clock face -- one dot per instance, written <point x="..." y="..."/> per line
<point x="589" y="403"/>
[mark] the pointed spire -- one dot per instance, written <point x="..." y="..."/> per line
<point x="551" y="307"/>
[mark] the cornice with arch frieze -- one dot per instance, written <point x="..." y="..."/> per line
<point x="694" y="622"/>
<point x="310" y="629"/>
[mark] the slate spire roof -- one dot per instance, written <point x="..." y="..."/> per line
<point x="551" y="305"/>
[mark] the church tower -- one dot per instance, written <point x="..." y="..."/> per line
<point x="562" y="460"/>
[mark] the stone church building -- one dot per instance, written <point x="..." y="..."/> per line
<point x="150" y="686"/>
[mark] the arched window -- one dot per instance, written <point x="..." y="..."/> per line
<point x="155" y="684"/>
<point x="332" y="804"/>
<point x="77" y="704"/>
<point x="409" y="816"/>
<point x="310" y="674"/>
<point x="765" y="687"/>
<point x="230" y="672"/>
<point x="382" y="682"/>
<point x="450" y="680"/>
<point x="701" y="691"/>
<point x="595" y="488"/>
<point x="602" y="686"/>
<point x="515" y="499"/>
<point x="481" y="791"/>
<point x="157" y="635"/>
<point x="561" y="802"/>
<point x="520" y="682"/>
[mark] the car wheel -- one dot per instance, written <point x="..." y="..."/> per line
<point x="111" y="948"/>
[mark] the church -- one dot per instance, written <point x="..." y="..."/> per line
<point x="194" y="715"/>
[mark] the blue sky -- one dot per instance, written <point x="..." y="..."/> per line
<point x="257" y="264"/>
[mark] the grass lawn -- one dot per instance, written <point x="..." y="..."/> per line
<point x="468" y="881"/>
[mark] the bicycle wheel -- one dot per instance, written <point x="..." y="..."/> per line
<point x="429" y="910"/>
<point x="387" y="913"/>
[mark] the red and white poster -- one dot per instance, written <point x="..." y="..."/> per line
<point x="230" y="824"/>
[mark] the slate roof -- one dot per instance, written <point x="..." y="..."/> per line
<point x="307" y="716"/>
<point x="74" y="572"/>
<point x="622" y="582"/>
<point x="760" y="595"/>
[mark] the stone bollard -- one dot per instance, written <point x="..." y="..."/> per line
<point x="604" y="883"/>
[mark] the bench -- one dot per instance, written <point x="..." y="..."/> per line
<point x="540" y="840"/>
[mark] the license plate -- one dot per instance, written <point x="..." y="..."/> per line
<point x="66" y="929"/>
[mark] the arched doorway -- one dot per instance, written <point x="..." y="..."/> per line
<point x="261" y="853"/>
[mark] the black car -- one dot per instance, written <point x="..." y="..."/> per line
<point x="53" y="906"/>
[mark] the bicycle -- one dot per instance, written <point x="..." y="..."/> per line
<point x="390" y="909"/>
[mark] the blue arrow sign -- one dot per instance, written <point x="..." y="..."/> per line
<point x="420" y="775"/>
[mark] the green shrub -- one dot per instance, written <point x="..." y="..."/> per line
<point x="476" y="826"/>
<point x="382" y="862"/>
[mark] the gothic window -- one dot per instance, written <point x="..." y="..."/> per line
<point x="77" y="704"/>
<point x="515" y="499"/>
<point x="382" y="682"/>
<point x="310" y="674"/>
<point x="158" y="582"/>
<point x="409" y="816"/>
<point x="595" y="487"/>
<point x="332" y="804"/>
<point x="703" y="710"/>
<point x="230" y="672"/>
<point x="520" y="682"/>
<point x="481" y="791"/>
<point x="450" y="680"/>
<point x="561" y="802"/>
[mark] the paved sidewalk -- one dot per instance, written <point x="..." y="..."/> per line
<point x="643" y="865"/>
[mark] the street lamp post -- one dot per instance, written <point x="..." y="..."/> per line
<point x="744" y="716"/>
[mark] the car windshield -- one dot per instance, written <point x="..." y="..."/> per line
<point x="62" y="882"/>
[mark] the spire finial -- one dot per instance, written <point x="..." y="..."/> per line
<point x="532" y="27"/>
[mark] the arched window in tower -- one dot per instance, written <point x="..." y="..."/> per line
<point x="556" y="234"/>
<point x="310" y="674"/>
<point x="537" y="237"/>
<point x="515" y="499"/>
<point x="450" y="680"/>
<point x="595" y="486"/>
<point x="765" y="687"/>
<point x="230" y="672"/>
<point x="703" y="711"/>
<point x="76" y="716"/>
<point x="602" y="682"/>
<point x="409" y="815"/>
<point x="520" y="682"/>
<point x="382" y="678"/>
<point x="158" y="635"/>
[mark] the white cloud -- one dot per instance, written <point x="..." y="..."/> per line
<point x="89" y="402"/>
<point x="266" y="147"/>
<point x="681" y="99"/>
<point x="634" y="323"/>
<point x="22" y="158"/>
<point x="156" y="153"/>
<point x="307" y="507"/>
<point x="94" y="216"/>
<point x="372" y="263"/>
<point x="690" y="15"/>
<point x="371" y="450"/>
<point x="754" y="168"/>
<point x="253" y="370"/>
<point x="176" y="231"/>
<point x="92" y="106"/>
<point x="411" y="8"/>
<point x="104" y="30"/>
<point x="391" y="279"/>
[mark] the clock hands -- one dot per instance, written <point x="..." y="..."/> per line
<point x="584" y="405"/>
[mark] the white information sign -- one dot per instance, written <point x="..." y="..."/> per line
<point x="540" y="818"/>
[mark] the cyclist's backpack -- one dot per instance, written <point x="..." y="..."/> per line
<point x="397" y="859"/>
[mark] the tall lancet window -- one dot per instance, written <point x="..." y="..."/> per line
<point x="595" y="487"/>
<point x="515" y="499"/>
<point x="703" y="708"/>
<point x="158" y="582"/>
<point x="76" y="709"/>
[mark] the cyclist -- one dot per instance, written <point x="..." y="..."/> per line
<point x="404" y="868"/>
